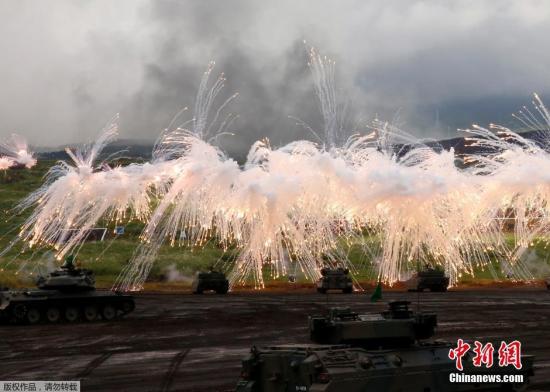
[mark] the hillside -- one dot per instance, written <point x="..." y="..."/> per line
<point x="175" y="266"/>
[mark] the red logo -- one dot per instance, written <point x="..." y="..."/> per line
<point x="484" y="354"/>
<point x="508" y="354"/>
<point x="457" y="353"/>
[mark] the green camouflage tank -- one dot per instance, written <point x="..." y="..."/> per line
<point x="335" y="279"/>
<point x="363" y="353"/>
<point x="67" y="294"/>
<point x="210" y="281"/>
<point x="429" y="278"/>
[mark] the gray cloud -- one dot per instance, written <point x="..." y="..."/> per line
<point x="68" y="66"/>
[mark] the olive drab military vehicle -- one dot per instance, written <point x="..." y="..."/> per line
<point x="67" y="294"/>
<point x="429" y="278"/>
<point x="363" y="353"/>
<point x="335" y="279"/>
<point x="210" y="281"/>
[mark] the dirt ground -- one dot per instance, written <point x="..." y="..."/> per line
<point x="195" y="343"/>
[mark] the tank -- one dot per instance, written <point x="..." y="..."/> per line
<point x="429" y="278"/>
<point x="342" y="326"/>
<point x="67" y="294"/>
<point x="362" y="353"/>
<point x="335" y="279"/>
<point x="210" y="281"/>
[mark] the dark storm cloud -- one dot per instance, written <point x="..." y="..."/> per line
<point x="67" y="67"/>
<point x="271" y="87"/>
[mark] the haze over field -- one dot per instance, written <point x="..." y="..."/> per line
<point x="67" y="66"/>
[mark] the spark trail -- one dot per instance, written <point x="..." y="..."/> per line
<point x="303" y="200"/>
<point x="77" y="194"/>
<point x="15" y="152"/>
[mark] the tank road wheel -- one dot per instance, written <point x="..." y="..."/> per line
<point x="90" y="313"/>
<point x="53" y="314"/>
<point x="71" y="314"/>
<point x="20" y="312"/>
<point x="108" y="312"/>
<point x="127" y="307"/>
<point x="33" y="315"/>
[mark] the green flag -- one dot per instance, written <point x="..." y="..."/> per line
<point x="377" y="295"/>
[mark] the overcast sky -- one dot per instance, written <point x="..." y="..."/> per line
<point x="67" y="67"/>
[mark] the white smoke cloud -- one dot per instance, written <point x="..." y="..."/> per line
<point x="173" y="274"/>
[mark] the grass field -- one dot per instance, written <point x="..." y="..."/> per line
<point x="175" y="266"/>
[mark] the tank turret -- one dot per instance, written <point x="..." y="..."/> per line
<point x="67" y="278"/>
<point x="211" y="280"/>
<point x="335" y="279"/>
<point x="428" y="278"/>
<point x="396" y="327"/>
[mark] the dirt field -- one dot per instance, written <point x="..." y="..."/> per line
<point x="195" y="343"/>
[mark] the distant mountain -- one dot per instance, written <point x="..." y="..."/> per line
<point x="141" y="150"/>
<point x="460" y="146"/>
<point x="123" y="148"/>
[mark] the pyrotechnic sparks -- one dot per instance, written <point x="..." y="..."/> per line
<point x="300" y="202"/>
<point x="6" y="163"/>
<point x="15" y="152"/>
<point x="76" y="195"/>
<point x="515" y="173"/>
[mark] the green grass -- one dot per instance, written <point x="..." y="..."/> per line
<point x="106" y="258"/>
<point x="109" y="257"/>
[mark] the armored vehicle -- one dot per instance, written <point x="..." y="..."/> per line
<point x="429" y="278"/>
<point x="211" y="280"/>
<point x="67" y="294"/>
<point x="335" y="279"/>
<point x="363" y="353"/>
